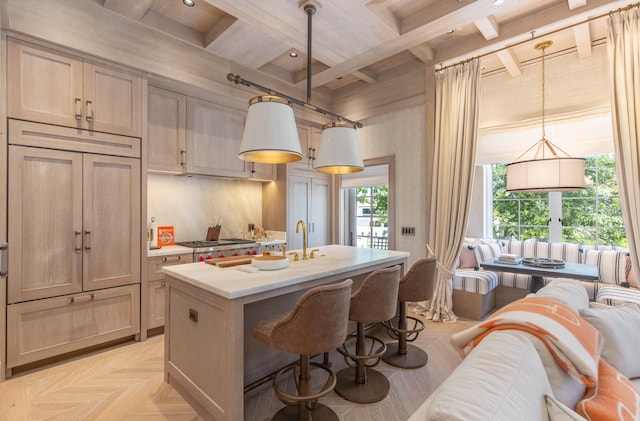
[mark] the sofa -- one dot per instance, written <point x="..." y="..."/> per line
<point x="476" y="291"/>
<point x="512" y="374"/>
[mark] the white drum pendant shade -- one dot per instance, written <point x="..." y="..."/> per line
<point x="546" y="175"/>
<point x="270" y="133"/>
<point x="339" y="150"/>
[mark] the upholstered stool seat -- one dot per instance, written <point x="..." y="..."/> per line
<point x="373" y="302"/>
<point x="416" y="285"/>
<point x="317" y="324"/>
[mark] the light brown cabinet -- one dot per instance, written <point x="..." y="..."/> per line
<point x="47" y="86"/>
<point x="194" y="136"/>
<point x="74" y="222"/>
<point x="45" y="328"/>
<point x="308" y="200"/>
<point x="156" y="285"/>
<point x="309" y="141"/>
<point x="167" y="130"/>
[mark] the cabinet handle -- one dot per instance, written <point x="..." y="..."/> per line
<point x="89" y="111"/>
<point x="162" y="284"/>
<point x="87" y="245"/>
<point x="78" y="109"/>
<point x="183" y="157"/>
<point x="78" y="236"/>
<point x="168" y="259"/>
<point x="82" y="298"/>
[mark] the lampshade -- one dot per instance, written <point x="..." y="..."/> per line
<point x="339" y="150"/>
<point x="270" y="133"/>
<point x="546" y="175"/>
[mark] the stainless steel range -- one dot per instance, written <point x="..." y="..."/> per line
<point x="221" y="248"/>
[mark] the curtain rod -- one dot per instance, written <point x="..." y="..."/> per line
<point x="533" y="37"/>
<point x="240" y="81"/>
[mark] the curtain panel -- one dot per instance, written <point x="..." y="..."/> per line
<point x="623" y="45"/>
<point x="456" y="131"/>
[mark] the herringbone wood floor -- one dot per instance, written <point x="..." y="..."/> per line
<point x="126" y="383"/>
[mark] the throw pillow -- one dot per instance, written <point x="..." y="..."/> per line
<point x="628" y="274"/>
<point x="568" y="291"/>
<point x="613" y="398"/>
<point x="468" y="257"/>
<point x="611" y="269"/>
<point x="558" y="411"/>
<point x="618" y="326"/>
<point x="487" y="251"/>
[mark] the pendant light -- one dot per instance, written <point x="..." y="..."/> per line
<point x="270" y="134"/>
<point x="339" y="150"/>
<point x="551" y="169"/>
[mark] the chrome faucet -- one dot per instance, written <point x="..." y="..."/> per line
<point x="304" y="238"/>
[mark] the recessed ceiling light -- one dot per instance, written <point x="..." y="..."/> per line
<point x="293" y="54"/>
<point x="497" y="2"/>
<point x="189" y="3"/>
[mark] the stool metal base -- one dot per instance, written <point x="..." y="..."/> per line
<point x="320" y="413"/>
<point x="376" y="388"/>
<point x="414" y="358"/>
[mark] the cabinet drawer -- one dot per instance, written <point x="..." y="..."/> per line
<point x="45" y="328"/>
<point x="28" y="133"/>
<point x="155" y="264"/>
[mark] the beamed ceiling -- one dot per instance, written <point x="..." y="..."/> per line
<point x="359" y="43"/>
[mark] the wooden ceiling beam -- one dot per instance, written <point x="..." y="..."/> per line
<point x="582" y="36"/>
<point x="488" y="27"/>
<point x="365" y="75"/>
<point x="422" y="52"/>
<point x="510" y="62"/>
<point x="574" y="4"/>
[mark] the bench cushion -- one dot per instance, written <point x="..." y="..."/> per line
<point x="475" y="281"/>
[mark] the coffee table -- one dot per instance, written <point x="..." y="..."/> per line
<point x="570" y="270"/>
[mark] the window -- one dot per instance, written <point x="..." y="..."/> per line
<point x="592" y="216"/>
<point x="372" y="219"/>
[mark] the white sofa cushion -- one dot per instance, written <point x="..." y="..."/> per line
<point x="619" y="329"/>
<point x="476" y="281"/>
<point x="559" y="412"/>
<point x="611" y="265"/>
<point x="487" y="251"/>
<point x="484" y="387"/>
<point x="567" y="291"/>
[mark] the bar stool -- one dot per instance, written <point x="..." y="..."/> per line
<point x="318" y="323"/>
<point x="373" y="302"/>
<point x="415" y="285"/>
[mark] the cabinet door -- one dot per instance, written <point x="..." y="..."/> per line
<point x="156" y="285"/>
<point x="214" y="134"/>
<point x="167" y="131"/>
<point x="111" y="192"/>
<point x="319" y="218"/>
<point x="305" y="135"/>
<point x="112" y="100"/>
<point x="44" y="85"/>
<point x="44" y="223"/>
<point x="298" y="206"/>
<point x="263" y="171"/>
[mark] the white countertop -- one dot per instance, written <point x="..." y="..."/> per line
<point x="270" y="242"/>
<point x="169" y="250"/>
<point x="233" y="283"/>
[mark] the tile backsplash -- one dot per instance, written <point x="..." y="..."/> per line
<point x="190" y="204"/>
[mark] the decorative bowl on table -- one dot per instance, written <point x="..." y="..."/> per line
<point x="543" y="262"/>
<point x="269" y="262"/>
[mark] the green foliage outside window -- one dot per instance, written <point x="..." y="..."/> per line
<point x="591" y="216"/>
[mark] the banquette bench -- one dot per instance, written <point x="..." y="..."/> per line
<point x="477" y="291"/>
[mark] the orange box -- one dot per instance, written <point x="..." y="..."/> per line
<point x="165" y="236"/>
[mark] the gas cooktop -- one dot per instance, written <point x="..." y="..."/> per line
<point x="221" y="242"/>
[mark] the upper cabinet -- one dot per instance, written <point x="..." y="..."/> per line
<point x="214" y="134"/>
<point x="47" y="86"/>
<point x="193" y="136"/>
<point x="167" y="130"/>
<point x="309" y="140"/>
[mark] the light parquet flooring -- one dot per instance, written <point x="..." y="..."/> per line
<point x="126" y="383"/>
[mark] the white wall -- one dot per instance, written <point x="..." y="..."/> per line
<point x="401" y="133"/>
<point x="191" y="203"/>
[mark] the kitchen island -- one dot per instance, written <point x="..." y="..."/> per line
<point x="210" y="352"/>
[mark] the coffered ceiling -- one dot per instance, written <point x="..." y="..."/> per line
<point x="358" y="43"/>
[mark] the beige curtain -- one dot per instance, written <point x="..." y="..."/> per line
<point x="623" y="43"/>
<point x="456" y="131"/>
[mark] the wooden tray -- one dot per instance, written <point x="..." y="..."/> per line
<point x="225" y="262"/>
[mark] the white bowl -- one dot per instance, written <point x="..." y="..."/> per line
<point x="270" y="262"/>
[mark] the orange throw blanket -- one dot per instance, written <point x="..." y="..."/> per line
<point x="572" y="341"/>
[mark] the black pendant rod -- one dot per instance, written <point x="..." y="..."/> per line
<point x="310" y="10"/>
<point x="240" y="81"/>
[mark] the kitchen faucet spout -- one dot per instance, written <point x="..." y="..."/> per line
<point x="304" y="237"/>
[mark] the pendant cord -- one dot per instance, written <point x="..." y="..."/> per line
<point x="310" y="10"/>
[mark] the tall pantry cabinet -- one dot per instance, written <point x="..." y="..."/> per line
<point x="74" y="223"/>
